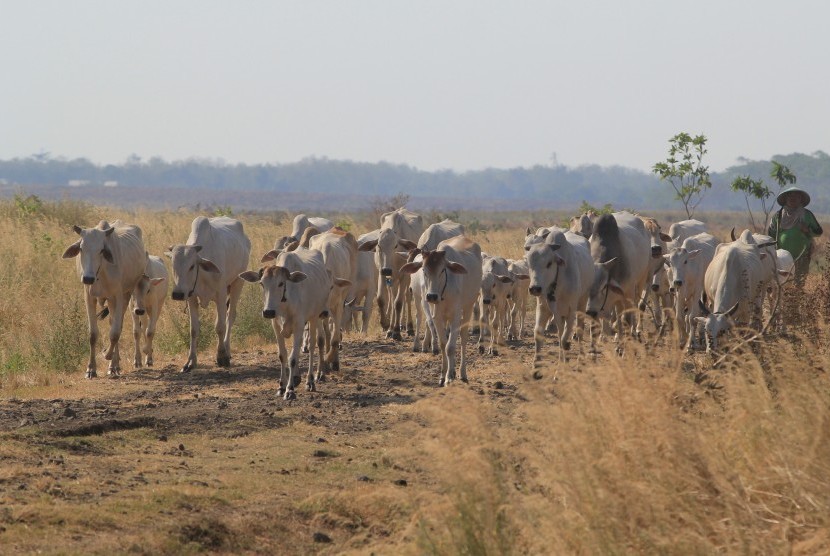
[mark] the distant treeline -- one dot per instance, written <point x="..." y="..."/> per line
<point x="552" y="186"/>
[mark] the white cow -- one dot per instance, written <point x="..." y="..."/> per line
<point x="299" y="225"/>
<point x="734" y="283"/>
<point x="438" y="232"/>
<point x="679" y="231"/>
<point x="422" y="311"/>
<point x="339" y="249"/>
<point x="656" y="268"/>
<point x="295" y="292"/>
<point x="399" y="231"/>
<point x="452" y="276"/>
<point x="686" y="267"/>
<point x="112" y="260"/>
<point x="584" y="224"/>
<point x="561" y="273"/>
<point x="533" y="238"/>
<point x="148" y="299"/>
<point x="361" y="297"/>
<point x="496" y="287"/>
<point x="621" y="250"/>
<point x="207" y="268"/>
<point x="518" y="297"/>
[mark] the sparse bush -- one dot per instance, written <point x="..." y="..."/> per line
<point x="65" y="344"/>
<point x="249" y="320"/>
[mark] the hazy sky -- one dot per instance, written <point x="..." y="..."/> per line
<point x="461" y="84"/>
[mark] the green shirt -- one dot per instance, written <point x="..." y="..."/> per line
<point x="794" y="240"/>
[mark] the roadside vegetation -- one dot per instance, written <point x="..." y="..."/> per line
<point x="656" y="451"/>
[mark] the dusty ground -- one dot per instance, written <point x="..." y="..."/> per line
<point x="211" y="460"/>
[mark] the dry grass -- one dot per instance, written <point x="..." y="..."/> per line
<point x="654" y="452"/>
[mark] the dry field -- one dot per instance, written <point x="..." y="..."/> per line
<point x="651" y="452"/>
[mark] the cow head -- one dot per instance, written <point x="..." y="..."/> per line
<point x="715" y="324"/>
<point x="94" y="250"/>
<point x="141" y="290"/>
<point x="386" y="248"/>
<point x="275" y="281"/>
<point x="543" y="263"/>
<point x="187" y="264"/>
<point x="605" y="291"/>
<point x="436" y="269"/>
<point x="676" y="263"/>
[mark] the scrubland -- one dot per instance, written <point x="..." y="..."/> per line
<point x="652" y="452"/>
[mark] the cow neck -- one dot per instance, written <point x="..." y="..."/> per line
<point x="551" y="295"/>
<point x="446" y="279"/>
<point x="605" y="299"/>
<point x="284" y="289"/>
<point x="195" y="280"/>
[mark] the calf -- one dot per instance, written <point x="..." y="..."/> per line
<point x="112" y="260"/>
<point x="148" y="299"/>
<point x="496" y="286"/>
<point x="518" y="298"/>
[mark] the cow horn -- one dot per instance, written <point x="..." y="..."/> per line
<point x="732" y="234"/>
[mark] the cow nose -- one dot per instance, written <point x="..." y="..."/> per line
<point x="177" y="296"/>
<point x="432" y="297"/>
<point x="88" y="280"/>
<point x="657" y="251"/>
<point x="386" y="272"/>
<point x="535" y="290"/>
<point x="486" y="301"/>
<point x="671" y="289"/>
<point x="678" y="283"/>
<point x="269" y="313"/>
<point x="592" y="314"/>
<point x="139" y="312"/>
<point x="655" y="287"/>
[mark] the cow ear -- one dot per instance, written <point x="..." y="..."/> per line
<point x="297" y="276"/>
<point x="615" y="287"/>
<point x="269" y="256"/>
<point x="109" y="232"/>
<point x="107" y="254"/>
<point x="72" y="250"/>
<point x="410" y="268"/>
<point x="251" y="276"/>
<point x="292" y="246"/>
<point x="554" y="246"/>
<point x="528" y="231"/>
<point x="77" y="229"/>
<point x="157" y="281"/>
<point x="208" y="266"/>
<point x="197" y="247"/>
<point x="407" y="244"/>
<point x="368" y="245"/>
<point x="342" y="282"/>
<point x="504" y="279"/>
<point x="456" y="268"/>
<point x="665" y="237"/>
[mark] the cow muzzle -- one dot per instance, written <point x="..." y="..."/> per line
<point x="140" y="312"/>
<point x="88" y="280"/>
<point x="535" y="290"/>
<point x="592" y="314"/>
<point x="269" y="313"/>
<point x="487" y="301"/>
<point x="386" y="272"/>
<point x="656" y="251"/>
<point x="432" y="297"/>
<point x="177" y="296"/>
<point x="678" y="283"/>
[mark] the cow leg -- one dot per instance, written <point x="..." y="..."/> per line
<point x="462" y="325"/>
<point x="293" y="364"/>
<point x="410" y="330"/>
<point x="440" y="326"/>
<point x="431" y="337"/>
<point x="452" y="345"/>
<point x="234" y="293"/>
<point x="285" y="370"/>
<point x="193" y="311"/>
<point x="320" y="342"/>
<point x="567" y="324"/>
<point x="324" y="329"/>
<point x="483" y="322"/>
<point x="223" y="357"/>
<point x="368" y="301"/>
<point x="394" y="331"/>
<point x="137" y="334"/>
<point x="306" y="339"/>
<point x="119" y="302"/>
<point x="383" y="303"/>
<point x="150" y="334"/>
<point x="333" y="355"/>
<point x="419" y="319"/>
<point x="92" y="321"/>
<point x="542" y="316"/>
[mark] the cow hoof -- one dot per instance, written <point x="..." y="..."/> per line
<point x="137" y="363"/>
<point x="441" y="382"/>
<point x="295" y="382"/>
<point x="305" y="349"/>
<point x="396" y="335"/>
<point x="494" y="352"/>
<point x="464" y="380"/>
<point x="321" y="378"/>
<point x="481" y="349"/>
<point x="436" y="351"/>
<point x="223" y="360"/>
<point x="641" y="306"/>
<point x="149" y="362"/>
<point x="416" y="348"/>
<point x="187" y="367"/>
<point x="113" y="372"/>
<point x="90" y="373"/>
<point x="335" y="366"/>
<point x="410" y="331"/>
<point x="290" y="395"/>
<point x="566" y="345"/>
<point x="311" y="386"/>
<point x="280" y="392"/>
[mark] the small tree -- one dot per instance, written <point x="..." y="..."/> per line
<point x="758" y="189"/>
<point x="685" y="171"/>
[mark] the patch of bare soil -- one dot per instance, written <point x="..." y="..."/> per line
<point x="144" y="440"/>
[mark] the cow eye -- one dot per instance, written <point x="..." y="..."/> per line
<point x="192" y="266"/>
<point x="281" y="284"/>
<point x="549" y="264"/>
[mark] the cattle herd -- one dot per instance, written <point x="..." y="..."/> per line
<point x="323" y="280"/>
